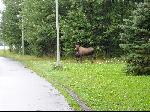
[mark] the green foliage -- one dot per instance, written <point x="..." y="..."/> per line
<point x="39" y="22"/>
<point x="136" y="38"/>
<point x="75" y="28"/>
<point x="92" y="23"/>
<point x="11" y="32"/>
<point x="95" y="23"/>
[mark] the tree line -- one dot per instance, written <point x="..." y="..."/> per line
<point x="113" y="27"/>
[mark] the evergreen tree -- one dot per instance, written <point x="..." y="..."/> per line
<point x="136" y="38"/>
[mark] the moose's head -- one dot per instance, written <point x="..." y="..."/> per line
<point x="77" y="47"/>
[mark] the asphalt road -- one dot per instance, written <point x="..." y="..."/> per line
<point x="23" y="90"/>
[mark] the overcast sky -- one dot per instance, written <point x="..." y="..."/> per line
<point x="1" y="7"/>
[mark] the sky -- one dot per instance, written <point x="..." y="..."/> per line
<point x="1" y="7"/>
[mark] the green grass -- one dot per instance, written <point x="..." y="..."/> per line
<point x="103" y="86"/>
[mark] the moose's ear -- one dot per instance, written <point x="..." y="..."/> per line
<point x="78" y="43"/>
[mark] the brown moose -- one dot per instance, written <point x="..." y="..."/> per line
<point x="82" y="51"/>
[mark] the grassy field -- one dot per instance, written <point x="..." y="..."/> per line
<point x="102" y="85"/>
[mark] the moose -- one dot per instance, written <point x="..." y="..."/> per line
<point x="82" y="51"/>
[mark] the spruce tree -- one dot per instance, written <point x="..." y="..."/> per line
<point x="136" y="38"/>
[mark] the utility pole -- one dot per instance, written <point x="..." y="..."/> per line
<point x="57" y="28"/>
<point x="22" y="30"/>
<point x="22" y="36"/>
<point x="3" y="42"/>
<point x="4" y="47"/>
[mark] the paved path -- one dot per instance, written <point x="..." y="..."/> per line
<point x="23" y="90"/>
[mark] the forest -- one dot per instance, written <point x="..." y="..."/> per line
<point x="114" y="28"/>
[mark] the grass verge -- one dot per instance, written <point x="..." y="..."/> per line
<point x="102" y="85"/>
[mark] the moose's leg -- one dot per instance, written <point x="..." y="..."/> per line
<point x="80" y="59"/>
<point x="92" y="59"/>
<point x="77" y="56"/>
<point x="77" y="59"/>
